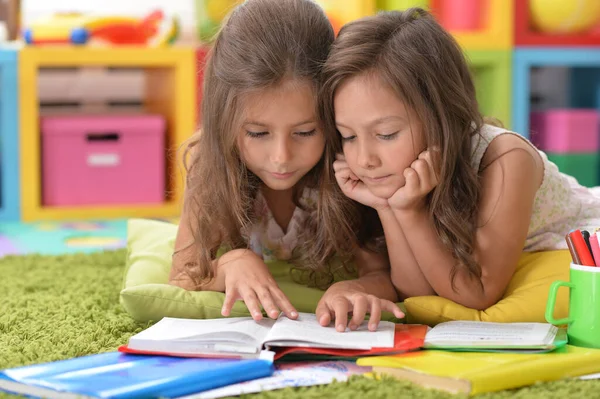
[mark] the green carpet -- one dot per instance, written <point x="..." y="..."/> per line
<point x="58" y="307"/>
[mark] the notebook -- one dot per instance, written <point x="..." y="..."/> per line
<point x="243" y="337"/>
<point x="477" y="372"/>
<point x="487" y="336"/>
<point x="115" y="375"/>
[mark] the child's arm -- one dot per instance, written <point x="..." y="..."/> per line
<point x="239" y="273"/>
<point x="372" y="292"/>
<point x="509" y="186"/>
<point x="406" y="275"/>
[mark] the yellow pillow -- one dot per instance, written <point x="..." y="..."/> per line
<point x="524" y="300"/>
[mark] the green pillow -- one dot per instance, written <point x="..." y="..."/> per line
<point x="146" y="294"/>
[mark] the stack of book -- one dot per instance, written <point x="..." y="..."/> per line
<point x="214" y="358"/>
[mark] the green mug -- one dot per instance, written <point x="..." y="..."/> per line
<point x="584" y="306"/>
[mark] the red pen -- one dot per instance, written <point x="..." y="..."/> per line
<point x="581" y="248"/>
<point x="595" y="248"/>
<point x="574" y="255"/>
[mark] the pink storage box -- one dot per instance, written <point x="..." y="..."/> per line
<point x="103" y="160"/>
<point x="566" y="130"/>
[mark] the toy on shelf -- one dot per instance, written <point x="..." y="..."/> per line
<point x="76" y="28"/>
<point x="559" y="16"/>
<point x="557" y="23"/>
<point x="463" y="15"/>
<point x="477" y="24"/>
<point x="566" y="130"/>
<point x="571" y="139"/>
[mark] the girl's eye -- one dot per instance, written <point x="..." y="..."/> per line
<point x="348" y="139"/>
<point x="256" y="134"/>
<point x="307" y="134"/>
<point x="390" y="136"/>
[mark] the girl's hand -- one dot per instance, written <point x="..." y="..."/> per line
<point x="347" y="296"/>
<point x="248" y="278"/>
<point x="353" y="187"/>
<point x="420" y="180"/>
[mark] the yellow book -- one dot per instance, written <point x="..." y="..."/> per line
<point x="477" y="372"/>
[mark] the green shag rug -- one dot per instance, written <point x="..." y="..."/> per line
<point x="58" y="307"/>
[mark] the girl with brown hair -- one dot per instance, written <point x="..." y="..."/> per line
<point x="458" y="199"/>
<point x="259" y="178"/>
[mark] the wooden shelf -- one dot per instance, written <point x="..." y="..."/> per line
<point x="170" y="92"/>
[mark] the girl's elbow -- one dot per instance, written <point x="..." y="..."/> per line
<point x="482" y="301"/>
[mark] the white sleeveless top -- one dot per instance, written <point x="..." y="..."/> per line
<point x="561" y="203"/>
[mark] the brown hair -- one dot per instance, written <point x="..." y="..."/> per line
<point x="426" y="68"/>
<point x="261" y="44"/>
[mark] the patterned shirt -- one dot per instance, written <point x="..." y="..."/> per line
<point x="561" y="204"/>
<point x="267" y="239"/>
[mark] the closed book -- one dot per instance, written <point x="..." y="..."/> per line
<point x="478" y="372"/>
<point x="116" y="375"/>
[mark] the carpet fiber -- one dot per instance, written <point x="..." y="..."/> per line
<point x="58" y="307"/>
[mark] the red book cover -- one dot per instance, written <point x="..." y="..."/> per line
<point x="407" y="337"/>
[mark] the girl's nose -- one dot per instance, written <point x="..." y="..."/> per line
<point x="366" y="157"/>
<point x="281" y="152"/>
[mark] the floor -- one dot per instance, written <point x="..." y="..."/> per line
<point x="55" y="238"/>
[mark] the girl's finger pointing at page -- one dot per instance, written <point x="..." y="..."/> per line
<point x="228" y="302"/>
<point x="323" y="314"/>
<point x="375" y="314"/>
<point x="284" y="303"/>
<point x="251" y="301"/>
<point x="267" y="302"/>
<point x="359" y="311"/>
<point x="340" y="307"/>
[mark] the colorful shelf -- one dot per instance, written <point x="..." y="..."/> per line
<point x="169" y="93"/>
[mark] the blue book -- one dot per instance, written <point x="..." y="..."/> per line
<point x="125" y="376"/>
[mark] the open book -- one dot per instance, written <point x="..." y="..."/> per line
<point x="243" y="337"/>
<point x="480" y="336"/>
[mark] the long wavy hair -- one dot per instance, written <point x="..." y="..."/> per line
<point x="426" y="68"/>
<point x="262" y="43"/>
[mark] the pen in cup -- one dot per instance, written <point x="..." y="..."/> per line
<point x="581" y="248"/>
<point x="572" y="250"/>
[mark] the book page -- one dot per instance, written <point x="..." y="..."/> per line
<point x="243" y="330"/>
<point x="475" y="333"/>
<point x="306" y="331"/>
